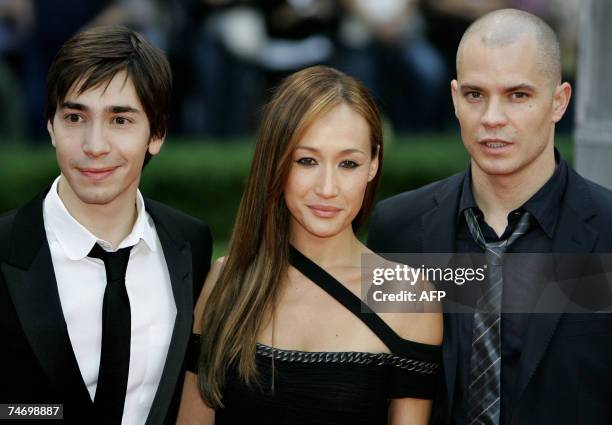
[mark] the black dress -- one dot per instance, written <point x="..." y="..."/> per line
<point x="331" y="387"/>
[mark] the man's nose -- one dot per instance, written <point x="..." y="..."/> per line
<point x="494" y="114"/>
<point x="95" y="142"/>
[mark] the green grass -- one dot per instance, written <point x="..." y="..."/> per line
<point x="206" y="179"/>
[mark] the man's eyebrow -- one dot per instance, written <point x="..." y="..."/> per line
<point x="469" y="86"/>
<point x="121" y="109"/>
<point x="521" y="87"/>
<point x="74" y="105"/>
<point x="516" y="87"/>
<point x="115" y="109"/>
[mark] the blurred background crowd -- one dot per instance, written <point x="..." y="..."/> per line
<point x="227" y="54"/>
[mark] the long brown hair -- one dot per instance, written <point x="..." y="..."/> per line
<point x="244" y="296"/>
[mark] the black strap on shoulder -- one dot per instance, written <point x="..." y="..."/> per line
<point x="192" y="357"/>
<point x="345" y="297"/>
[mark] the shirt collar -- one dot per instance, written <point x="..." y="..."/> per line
<point x="467" y="200"/>
<point x="143" y="229"/>
<point x="77" y="241"/>
<point x="543" y="205"/>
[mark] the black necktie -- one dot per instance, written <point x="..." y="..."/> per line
<point x="485" y="360"/>
<point x="116" y="333"/>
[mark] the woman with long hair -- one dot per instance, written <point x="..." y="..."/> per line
<point x="283" y="336"/>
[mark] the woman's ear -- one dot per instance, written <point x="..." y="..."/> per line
<point x="373" y="165"/>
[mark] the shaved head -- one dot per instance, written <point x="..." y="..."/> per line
<point x="507" y="26"/>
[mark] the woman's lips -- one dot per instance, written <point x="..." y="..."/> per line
<point x="324" y="211"/>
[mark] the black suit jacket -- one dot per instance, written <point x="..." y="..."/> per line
<point x="565" y="370"/>
<point x="37" y="363"/>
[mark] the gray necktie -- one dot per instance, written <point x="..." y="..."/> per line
<point x="485" y="361"/>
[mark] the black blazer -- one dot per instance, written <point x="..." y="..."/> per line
<point x="37" y="363"/>
<point x="565" y="370"/>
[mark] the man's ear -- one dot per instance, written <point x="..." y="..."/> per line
<point x="51" y="133"/>
<point x="155" y="144"/>
<point x="561" y="99"/>
<point x="454" y="94"/>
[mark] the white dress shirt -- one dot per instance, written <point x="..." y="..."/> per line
<point x="81" y="281"/>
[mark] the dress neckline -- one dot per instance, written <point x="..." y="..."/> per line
<point x="423" y="366"/>
<point x="395" y="343"/>
<point x="291" y="350"/>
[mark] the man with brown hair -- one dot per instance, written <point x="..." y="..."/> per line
<point x="97" y="283"/>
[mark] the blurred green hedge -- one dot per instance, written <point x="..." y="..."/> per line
<point x="206" y="179"/>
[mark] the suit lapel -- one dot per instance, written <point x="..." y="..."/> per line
<point x="438" y="226"/>
<point x="177" y="253"/>
<point x="30" y="279"/>
<point x="573" y="235"/>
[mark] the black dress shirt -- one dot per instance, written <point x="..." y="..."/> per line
<point x="544" y="207"/>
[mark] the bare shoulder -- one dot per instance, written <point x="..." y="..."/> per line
<point x="416" y="319"/>
<point x="215" y="269"/>
<point x="425" y="326"/>
<point x="209" y="284"/>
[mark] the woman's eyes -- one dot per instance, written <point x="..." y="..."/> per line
<point x="349" y="164"/>
<point x="306" y="161"/>
<point x="309" y="162"/>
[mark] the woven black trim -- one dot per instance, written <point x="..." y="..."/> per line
<point x="352" y="357"/>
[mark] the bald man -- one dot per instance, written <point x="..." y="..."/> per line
<point x="517" y="195"/>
